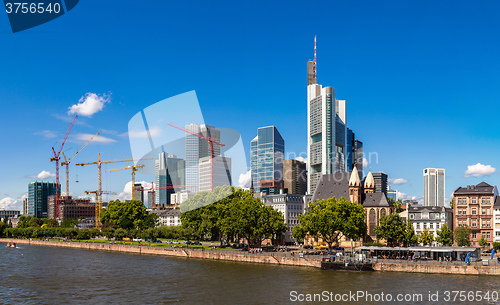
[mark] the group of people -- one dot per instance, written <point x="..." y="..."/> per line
<point x="255" y="250"/>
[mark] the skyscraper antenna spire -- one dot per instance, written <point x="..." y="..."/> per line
<point x="315" y="56"/>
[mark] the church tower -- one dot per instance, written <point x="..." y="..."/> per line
<point x="355" y="188"/>
<point x="369" y="183"/>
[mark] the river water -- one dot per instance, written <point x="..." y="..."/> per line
<point x="51" y="275"/>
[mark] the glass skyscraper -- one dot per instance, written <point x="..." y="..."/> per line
<point x="169" y="171"/>
<point x="267" y="152"/>
<point x="38" y="194"/>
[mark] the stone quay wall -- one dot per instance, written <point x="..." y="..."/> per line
<point x="178" y="252"/>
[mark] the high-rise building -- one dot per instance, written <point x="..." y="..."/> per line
<point x="197" y="148"/>
<point x="221" y="172"/>
<point x="326" y="130"/>
<point x="354" y="153"/>
<point x="434" y="187"/>
<point x="271" y="186"/>
<point x="139" y="195"/>
<point x="25" y="206"/>
<point x="38" y="198"/>
<point x="267" y="151"/>
<point x="392" y="193"/>
<point x="170" y="171"/>
<point x="380" y="183"/>
<point x="295" y="176"/>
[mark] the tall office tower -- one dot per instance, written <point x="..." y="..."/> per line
<point x="139" y="195"/>
<point x="25" y="206"/>
<point x="221" y="172"/>
<point x="267" y="152"/>
<point x="326" y="129"/>
<point x="434" y="187"/>
<point x="358" y="147"/>
<point x="354" y="153"/>
<point x="197" y="148"/>
<point x="169" y="171"/>
<point x="380" y="183"/>
<point x="295" y="177"/>
<point x="38" y="195"/>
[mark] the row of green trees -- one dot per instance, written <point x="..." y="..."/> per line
<point x="237" y="215"/>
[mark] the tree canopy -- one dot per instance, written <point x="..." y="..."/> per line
<point x="461" y="235"/>
<point x="426" y="237"/>
<point x="391" y="228"/>
<point x="128" y="215"/>
<point x="330" y="219"/>
<point x="410" y="237"/>
<point x="444" y="235"/>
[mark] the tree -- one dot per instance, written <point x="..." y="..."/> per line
<point x="496" y="245"/>
<point x="461" y="236"/>
<point x="52" y="223"/>
<point x="128" y="215"/>
<point x="331" y="219"/>
<point x="445" y="235"/>
<point x="451" y="203"/>
<point x="69" y="223"/>
<point x="397" y="204"/>
<point x="426" y="237"/>
<point x="410" y="237"/>
<point x="483" y="242"/>
<point x="391" y="228"/>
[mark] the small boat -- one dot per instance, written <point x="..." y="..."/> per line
<point x="11" y="245"/>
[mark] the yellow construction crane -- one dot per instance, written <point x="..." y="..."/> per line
<point x="97" y="208"/>
<point x="99" y="162"/>
<point x="67" y="161"/>
<point x="134" y="168"/>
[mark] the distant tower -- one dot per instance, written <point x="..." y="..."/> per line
<point x="355" y="188"/>
<point x="369" y="183"/>
<point x="434" y="187"/>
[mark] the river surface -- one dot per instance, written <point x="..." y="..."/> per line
<point x="51" y="275"/>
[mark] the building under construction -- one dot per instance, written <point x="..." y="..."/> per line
<point x="71" y="208"/>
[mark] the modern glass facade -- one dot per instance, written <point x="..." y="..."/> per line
<point x="170" y="171"/>
<point x="38" y="194"/>
<point x="267" y="152"/>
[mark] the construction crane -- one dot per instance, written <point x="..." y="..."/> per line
<point x="97" y="207"/>
<point x="56" y="159"/>
<point x="134" y="168"/>
<point x="153" y="188"/>
<point x="67" y="161"/>
<point x="212" y="142"/>
<point x="99" y="162"/>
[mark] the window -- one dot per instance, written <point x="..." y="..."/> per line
<point x="483" y="201"/>
<point x="418" y="226"/>
<point x="488" y="201"/>
<point x="459" y="211"/>
<point x="473" y="200"/>
<point x="488" y="224"/>
<point x="425" y="226"/>
<point x="488" y="235"/>
<point x="484" y="224"/>
<point x="464" y="200"/>
<point x="473" y="223"/>
<point x="497" y="233"/>
<point x="459" y="200"/>
<point x="411" y="216"/>
<point x="484" y="211"/>
<point x="431" y="226"/>
<point x="473" y="211"/>
<point x="473" y="235"/>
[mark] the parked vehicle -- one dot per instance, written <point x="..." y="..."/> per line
<point x="196" y="243"/>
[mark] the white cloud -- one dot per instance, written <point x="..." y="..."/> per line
<point x="398" y="181"/>
<point x="365" y="163"/>
<point x="46" y="133"/>
<point x="44" y="175"/>
<point x="84" y="137"/>
<point x="154" y="131"/>
<point x="9" y="203"/>
<point x="245" y="180"/>
<point x="89" y="104"/>
<point x="127" y="190"/>
<point x="404" y="196"/>
<point x="479" y="170"/>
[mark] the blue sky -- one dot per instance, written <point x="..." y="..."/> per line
<point x="420" y="79"/>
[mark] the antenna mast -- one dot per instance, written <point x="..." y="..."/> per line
<point x="314" y="56"/>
